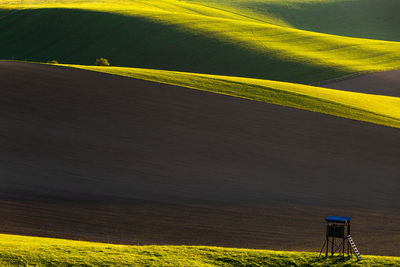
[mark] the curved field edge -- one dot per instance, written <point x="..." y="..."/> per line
<point x="383" y="110"/>
<point x="200" y="39"/>
<point x="25" y="250"/>
<point x="372" y="19"/>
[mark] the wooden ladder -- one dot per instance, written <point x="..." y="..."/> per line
<point x="354" y="247"/>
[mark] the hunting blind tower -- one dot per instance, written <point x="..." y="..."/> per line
<point x="338" y="237"/>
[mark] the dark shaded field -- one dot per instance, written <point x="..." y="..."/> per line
<point x="98" y="157"/>
<point x="379" y="83"/>
<point x="78" y="36"/>
<point x="372" y="19"/>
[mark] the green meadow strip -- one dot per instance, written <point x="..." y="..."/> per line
<point x="38" y="251"/>
<point x="383" y="110"/>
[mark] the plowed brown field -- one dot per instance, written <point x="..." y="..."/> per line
<point x="92" y="156"/>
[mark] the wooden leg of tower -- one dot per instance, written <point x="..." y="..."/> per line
<point x="333" y="241"/>
<point x="343" y="247"/>
<point x="327" y="246"/>
<point x="348" y="248"/>
<point x="351" y="252"/>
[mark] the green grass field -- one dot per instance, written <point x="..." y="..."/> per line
<point x="185" y="36"/>
<point x="372" y="19"/>
<point x="263" y="50"/>
<point x="36" y="251"/>
<point x="377" y="109"/>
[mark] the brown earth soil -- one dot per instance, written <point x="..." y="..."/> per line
<point x="379" y="83"/>
<point x="91" y="156"/>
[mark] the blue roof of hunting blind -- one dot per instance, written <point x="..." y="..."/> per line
<point x="337" y="219"/>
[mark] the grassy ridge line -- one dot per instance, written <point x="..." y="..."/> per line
<point x="287" y="54"/>
<point x="384" y="110"/>
<point x="24" y="250"/>
<point x="135" y="41"/>
<point x="135" y="7"/>
<point x="372" y="19"/>
<point x="349" y="53"/>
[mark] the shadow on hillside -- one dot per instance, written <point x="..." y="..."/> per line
<point x="362" y="19"/>
<point x="81" y="36"/>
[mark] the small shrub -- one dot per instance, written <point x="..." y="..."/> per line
<point x="53" y="62"/>
<point x="102" y="62"/>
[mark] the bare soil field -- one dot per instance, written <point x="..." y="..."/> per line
<point x="92" y="156"/>
<point x="379" y="83"/>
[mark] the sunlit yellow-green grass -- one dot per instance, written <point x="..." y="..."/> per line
<point x="372" y="19"/>
<point x="384" y="110"/>
<point x="224" y="40"/>
<point x="37" y="251"/>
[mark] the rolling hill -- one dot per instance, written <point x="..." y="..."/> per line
<point x="379" y="109"/>
<point x="17" y="250"/>
<point x="137" y="157"/>
<point x="184" y="36"/>
<point x="204" y="132"/>
<point x="371" y="19"/>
